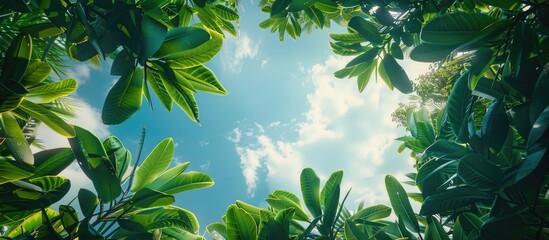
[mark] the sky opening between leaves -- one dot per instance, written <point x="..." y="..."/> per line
<point x="285" y="111"/>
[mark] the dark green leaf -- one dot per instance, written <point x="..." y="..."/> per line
<point x="16" y="58"/>
<point x="352" y="232"/>
<point x="451" y="199"/>
<point x="366" y="29"/>
<point x="398" y="77"/>
<point x="123" y="64"/>
<point x="48" y="117"/>
<point x="454" y="28"/>
<point x="478" y="173"/>
<point x="88" y="202"/>
<point x="401" y="204"/>
<point x="480" y="63"/>
<point x="434" y="230"/>
<point x="119" y="156"/>
<point x="152" y="35"/>
<point x="146" y="198"/>
<point x="124" y="98"/>
<point x="425" y="52"/>
<point x="11" y="170"/>
<point x="181" y="39"/>
<point x="495" y="125"/>
<point x="52" y="161"/>
<point x="458" y="102"/>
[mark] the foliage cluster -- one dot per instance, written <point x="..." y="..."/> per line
<point x="481" y="154"/>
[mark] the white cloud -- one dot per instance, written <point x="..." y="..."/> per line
<point x="343" y="129"/>
<point x="203" y="143"/>
<point x="80" y="72"/>
<point x="236" y="50"/>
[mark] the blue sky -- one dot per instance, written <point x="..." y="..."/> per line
<point x="285" y="111"/>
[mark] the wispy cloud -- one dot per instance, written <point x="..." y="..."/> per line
<point x="81" y="72"/>
<point x="236" y="50"/>
<point x="342" y="129"/>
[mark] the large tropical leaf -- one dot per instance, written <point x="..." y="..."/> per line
<point x="240" y="225"/>
<point x="16" y="58"/>
<point x="457" y="106"/>
<point x="52" y="91"/>
<point x="52" y="161"/>
<point x="88" y="202"/>
<point x="202" y="78"/>
<point x="454" y="28"/>
<point x="451" y="199"/>
<point x="329" y="198"/>
<point x="372" y="213"/>
<point x="366" y="29"/>
<point x="434" y="230"/>
<point x="184" y="182"/>
<point x="199" y="55"/>
<point x="15" y="141"/>
<point x="146" y="198"/>
<point x="156" y="162"/>
<point x="184" y="98"/>
<point x="48" y="117"/>
<point x="310" y="189"/>
<point x="396" y="74"/>
<point x="160" y="217"/>
<point x="425" y="52"/>
<point x="95" y="163"/>
<point x="36" y="194"/>
<point x="181" y="39"/>
<point x="401" y="204"/>
<point x="153" y="34"/>
<point x="119" y="156"/>
<point x="11" y="170"/>
<point x="124" y="98"/>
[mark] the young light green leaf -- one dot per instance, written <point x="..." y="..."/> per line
<point x="310" y="189"/>
<point x="156" y="162"/>
<point x="240" y="225"/>
<point x="52" y="91"/>
<point x="184" y="182"/>
<point x="49" y="118"/>
<point x="15" y="142"/>
<point x="11" y="170"/>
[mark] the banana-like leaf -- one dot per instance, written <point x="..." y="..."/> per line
<point x="37" y="71"/>
<point x="181" y="39"/>
<point x="41" y="192"/>
<point x="184" y="98"/>
<point x="240" y="225"/>
<point x="280" y="200"/>
<point x="160" y="217"/>
<point x="217" y="230"/>
<point x="48" y="117"/>
<point x="202" y="78"/>
<point x="451" y="199"/>
<point x="366" y="29"/>
<point x="153" y="34"/>
<point x="11" y="170"/>
<point x="88" y="202"/>
<point x="154" y="78"/>
<point x="352" y="232"/>
<point x="225" y="12"/>
<point x="425" y="52"/>
<point x="183" y="182"/>
<point x="454" y="28"/>
<point x="329" y="198"/>
<point x="52" y="161"/>
<point x="95" y="163"/>
<point x="124" y="98"/>
<point x="457" y="105"/>
<point x="434" y="230"/>
<point x="119" y="156"/>
<point x="401" y="204"/>
<point x="372" y="213"/>
<point x="15" y="141"/>
<point x="310" y="189"/>
<point x="396" y="74"/>
<point x="197" y="56"/>
<point x="147" y="198"/>
<point x="156" y="162"/>
<point x="17" y="58"/>
<point x="52" y="91"/>
<point x="69" y="218"/>
<point x="32" y="223"/>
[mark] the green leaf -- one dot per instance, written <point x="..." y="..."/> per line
<point x="366" y="29"/>
<point x="451" y="199"/>
<point x="495" y="126"/>
<point x="11" y="170"/>
<point x="52" y="161"/>
<point x="146" y="198"/>
<point x="458" y="233"/>
<point x="396" y="51"/>
<point x="15" y="141"/>
<point x="88" y="202"/>
<point x="316" y="16"/>
<point x="181" y="39"/>
<point x="225" y="12"/>
<point x="33" y="222"/>
<point x="52" y="91"/>
<point x="156" y="162"/>
<point x="153" y="34"/>
<point x="123" y="64"/>
<point x="480" y="63"/>
<point x="352" y="232"/>
<point x="16" y="58"/>
<point x="281" y="200"/>
<point x="184" y="98"/>
<point x="48" y="117"/>
<point x="154" y="78"/>
<point x="435" y="168"/>
<point x="364" y="78"/>
<point x="184" y="182"/>
<point x="168" y="175"/>
<point x="372" y="213"/>
<point x="396" y="74"/>
<point x="124" y="98"/>
<point x="478" y="173"/>
<point x="49" y="190"/>
<point x="537" y="146"/>
<point x="401" y="204"/>
<point x="457" y="105"/>
<point x="278" y="7"/>
<point x="202" y="78"/>
<point x="37" y="71"/>
<point x="161" y="217"/>
<point x="329" y="197"/>
<point x="434" y="230"/>
<point x="454" y="28"/>
<point x="198" y="55"/>
<point x="539" y="100"/>
<point x="42" y="30"/>
<point x="348" y="38"/>
<point x="425" y="52"/>
<point x="118" y="155"/>
<point x="240" y="225"/>
<point x="310" y="189"/>
<point x="487" y="37"/>
<point x="69" y="218"/>
<point x="94" y="162"/>
<point x="506" y="4"/>
<point x="217" y="230"/>
<point x="470" y="223"/>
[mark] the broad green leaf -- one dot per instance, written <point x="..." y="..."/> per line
<point x="180" y="40"/>
<point x="348" y="38"/>
<point x="202" y="78"/>
<point x="310" y="190"/>
<point x="156" y="162"/>
<point x="95" y="163"/>
<point x="37" y="71"/>
<point x="52" y="161"/>
<point x="281" y="202"/>
<point x="32" y="223"/>
<point x="52" y="91"/>
<point x="366" y="29"/>
<point x="344" y="49"/>
<point x="240" y="225"/>
<point x="512" y="226"/>
<point x="153" y="34"/>
<point x="396" y="51"/>
<point x="366" y="57"/>
<point x="470" y="222"/>
<point x="69" y="218"/>
<point x="83" y="51"/>
<point x="168" y="175"/>
<point x="124" y="98"/>
<point x="278" y="7"/>
<point x="16" y="58"/>
<point x="495" y="125"/>
<point x="445" y="149"/>
<point x="85" y="231"/>
<point x="154" y="78"/>
<point x="352" y="232"/>
<point x="119" y="156"/>
<point x="17" y="5"/>
<point x="42" y="30"/>
<point x="487" y="37"/>
<point x="537" y="142"/>
<point x="458" y="233"/>
<point x="435" y="168"/>
<point x="401" y="204"/>
<point x="15" y="142"/>
<point x="425" y="52"/>
<point x="315" y="15"/>
<point x="296" y="6"/>
<point x="184" y="182"/>
<point x="88" y="202"/>
<point x="146" y="198"/>
<point x="454" y="28"/>
<point x="184" y="98"/>
<point x="11" y="170"/>
<point x="434" y="230"/>
<point x="480" y="63"/>
<point x="329" y="198"/>
<point x="50" y="189"/>
<point x="123" y="64"/>
<point x="364" y="78"/>
<point x="225" y="12"/>
<point x="161" y="217"/>
<point x="48" y="117"/>
<point x="217" y="230"/>
<point x="372" y="213"/>
<point x="451" y="199"/>
<point x="507" y="4"/>
<point x="457" y="105"/>
<point x="396" y="74"/>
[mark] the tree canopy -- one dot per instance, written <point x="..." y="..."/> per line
<point x="481" y="151"/>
